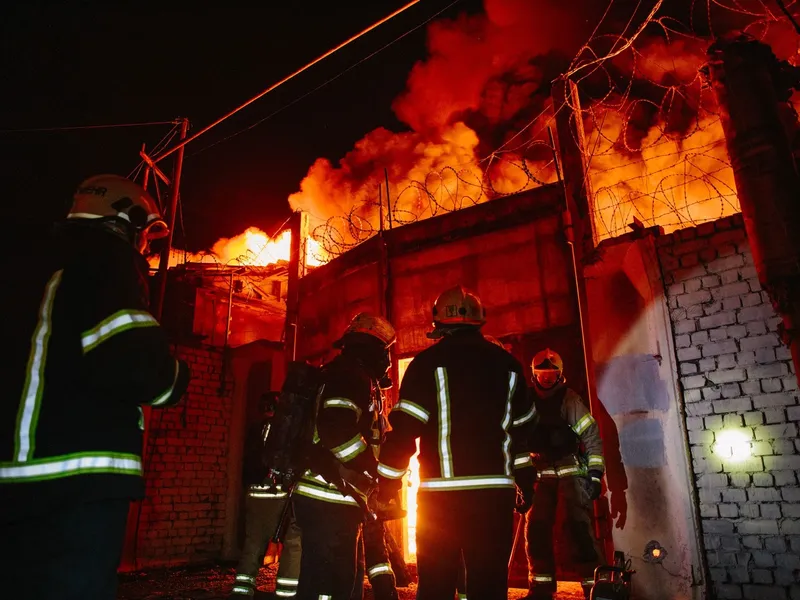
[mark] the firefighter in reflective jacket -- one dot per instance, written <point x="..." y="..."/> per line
<point x="465" y="399"/>
<point x="347" y="405"/>
<point x="264" y="505"/>
<point x="568" y="455"/>
<point x="87" y="355"/>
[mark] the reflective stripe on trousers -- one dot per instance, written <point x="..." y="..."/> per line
<point x="286" y="587"/>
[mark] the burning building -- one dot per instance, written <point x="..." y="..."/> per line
<point x="663" y="319"/>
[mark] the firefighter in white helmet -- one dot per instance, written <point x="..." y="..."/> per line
<point x="348" y="405"/>
<point x="88" y="355"/>
<point x="568" y="454"/>
<point x="465" y="399"/>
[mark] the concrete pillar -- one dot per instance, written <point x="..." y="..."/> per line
<point x="752" y="88"/>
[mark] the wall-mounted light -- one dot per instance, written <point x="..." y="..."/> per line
<point x="654" y="552"/>
<point x="733" y="445"/>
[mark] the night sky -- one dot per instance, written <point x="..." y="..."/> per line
<point x="94" y="63"/>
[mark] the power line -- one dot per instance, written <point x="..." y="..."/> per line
<point x="284" y="80"/>
<point x="79" y="127"/>
<point x="329" y="81"/>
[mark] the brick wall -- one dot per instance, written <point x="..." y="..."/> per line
<point x="183" y="515"/>
<point x="735" y="373"/>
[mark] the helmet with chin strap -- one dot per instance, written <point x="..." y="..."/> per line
<point x="548" y="369"/>
<point x="121" y="205"/>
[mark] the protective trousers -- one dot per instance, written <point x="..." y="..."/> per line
<point x="578" y="529"/>
<point x="262" y="513"/>
<point x="477" y="524"/>
<point x="373" y="557"/>
<point x="71" y="553"/>
<point x="330" y="535"/>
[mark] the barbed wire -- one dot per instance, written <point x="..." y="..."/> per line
<point x="654" y="146"/>
<point x="442" y="191"/>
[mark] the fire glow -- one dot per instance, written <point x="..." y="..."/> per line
<point x="252" y="248"/>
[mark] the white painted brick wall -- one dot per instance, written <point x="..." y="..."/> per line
<point x="735" y="373"/>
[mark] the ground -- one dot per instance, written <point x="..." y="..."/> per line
<point x="214" y="582"/>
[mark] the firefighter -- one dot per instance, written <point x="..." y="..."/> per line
<point x="465" y="399"/>
<point x="348" y="405"/>
<point x="264" y="505"/>
<point x="87" y="356"/>
<point x="568" y="455"/>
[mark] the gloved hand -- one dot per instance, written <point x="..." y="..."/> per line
<point x="593" y="485"/>
<point x="524" y="499"/>
<point x="385" y="501"/>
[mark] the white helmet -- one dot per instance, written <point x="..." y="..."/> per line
<point x="111" y="198"/>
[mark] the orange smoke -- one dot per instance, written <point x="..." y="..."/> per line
<point x="252" y="248"/>
<point x="469" y="54"/>
<point x="477" y="110"/>
<point x="356" y="186"/>
<point x="477" y="65"/>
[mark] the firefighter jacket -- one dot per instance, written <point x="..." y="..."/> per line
<point x="346" y="406"/>
<point x="564" y="409"/>
<point x="86" y="355"/>
<point x="465" y="399"/>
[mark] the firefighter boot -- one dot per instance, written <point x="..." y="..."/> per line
<point x="383" y="587"/>
<point x="587" y="589"/>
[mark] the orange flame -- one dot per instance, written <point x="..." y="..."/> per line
<point x="411" y="505"/>
<point x="252" y="248"/>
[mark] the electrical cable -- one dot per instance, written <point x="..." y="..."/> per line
<point x="292" y="75"/>
<point x="327" y="82"/>
<point x="82" y="127"/>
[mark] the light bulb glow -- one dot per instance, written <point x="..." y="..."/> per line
<point x="732" y="445"/>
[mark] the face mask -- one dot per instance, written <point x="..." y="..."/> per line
<point x="547" y="379"/>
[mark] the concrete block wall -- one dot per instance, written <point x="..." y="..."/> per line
<point x="735" y="373"/>
<point x="183" y="515"/>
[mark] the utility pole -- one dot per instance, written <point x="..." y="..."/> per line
<point x="163" y="264"/>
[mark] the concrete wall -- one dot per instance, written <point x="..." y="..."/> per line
<point x="639" y="410"/>
<point x="736" y="374"/>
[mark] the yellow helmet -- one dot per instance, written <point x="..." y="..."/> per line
<point x="456" y="306"/>
<point x="373" y="325"/>
<point x="114" y="198"/>
<point x="548" y="369"/>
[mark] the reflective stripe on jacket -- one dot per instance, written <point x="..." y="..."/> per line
<point x="87" y="354"/>
<point x="466" y="401"/>
<point x="343" y="422"/>
<point x="577" y="416"/>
